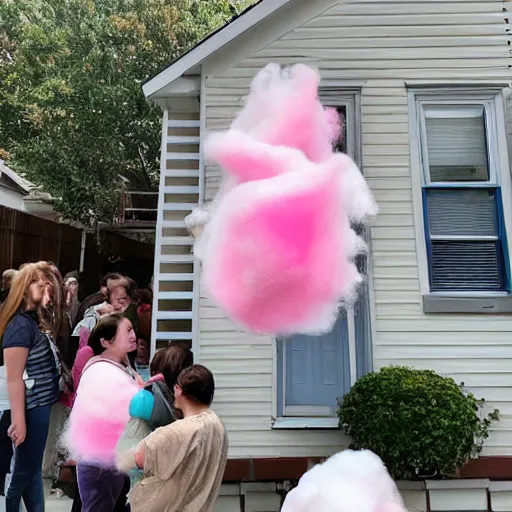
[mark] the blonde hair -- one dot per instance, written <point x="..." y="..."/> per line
<point x="16" y="300"/>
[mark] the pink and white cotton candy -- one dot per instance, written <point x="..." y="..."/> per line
<point x="99" y="415"/>
<point x="277" y="245"/>
<point x="350" y="481"/>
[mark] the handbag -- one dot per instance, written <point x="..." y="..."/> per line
<point x="66" y="383"/>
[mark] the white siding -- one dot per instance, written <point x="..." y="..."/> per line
<point x="380" y="45"/>
<point x="11" y="199"/>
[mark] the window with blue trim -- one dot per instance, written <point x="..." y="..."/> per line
<point x="313" y="372"/>
<point x="462" y="202"/>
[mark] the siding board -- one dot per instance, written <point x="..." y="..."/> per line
<point x="378" y="45"/>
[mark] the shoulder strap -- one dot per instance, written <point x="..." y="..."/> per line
<point x="99" y="359"/>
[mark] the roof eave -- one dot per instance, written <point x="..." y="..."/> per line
<point x="22" y="183"/>
<point x="153" y="88"/>
<point x="182" y="86"/>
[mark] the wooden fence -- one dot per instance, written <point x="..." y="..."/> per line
<point x="25" y="238"/>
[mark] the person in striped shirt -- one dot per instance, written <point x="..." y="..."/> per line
<point x="32" y="370"/>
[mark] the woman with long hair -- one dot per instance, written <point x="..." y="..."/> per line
<point x="32" y="376"/>
<point x="53" y="310"/>
<point x="100" y="414"/>
<point x="56" y="325"/>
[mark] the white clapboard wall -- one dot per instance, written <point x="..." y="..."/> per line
<point x="379" y="46"/>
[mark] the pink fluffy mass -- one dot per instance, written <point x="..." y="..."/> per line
<point x="277" y="244"/>
<point x="350" y="481"/>
<point x="99" y="414"/>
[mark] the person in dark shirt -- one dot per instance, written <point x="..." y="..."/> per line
<point x="32" y="369"/>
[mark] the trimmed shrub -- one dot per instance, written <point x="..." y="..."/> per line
<point x="420" y="423"/>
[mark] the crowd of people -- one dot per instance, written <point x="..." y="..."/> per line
<point x="76" y="381"/>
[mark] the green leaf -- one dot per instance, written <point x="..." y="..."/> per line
<point x="72" y="113"/>
<point x="417" y="421"/>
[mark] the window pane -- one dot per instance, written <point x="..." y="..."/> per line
<point x="456" y="144"/>
<point x="341" y="143"/>
<point x="462" y="212"/>
<point x="466" y="266"/>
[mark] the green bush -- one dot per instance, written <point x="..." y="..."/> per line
<point x="419" y="423"/>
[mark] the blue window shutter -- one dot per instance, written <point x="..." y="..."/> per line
<point x="317" y="368"/>
<point x="500" y="220"/>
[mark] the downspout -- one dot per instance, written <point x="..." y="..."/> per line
<point x="82" y="251"/>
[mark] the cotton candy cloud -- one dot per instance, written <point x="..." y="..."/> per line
<point x="350" y="481"/>
<point x="99" y="414"/>
<point x="277" y="244"/>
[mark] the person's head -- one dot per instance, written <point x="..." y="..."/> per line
<point x="144" y="296"/>
<point x="113" y="335"/>
<point x="108" y="281"/>
<point x="26" y="293"/>
<point x="142" y="352"/>
<point x="7" y="277"/>
<point x="71" y="280"/>
<point x="71" y="287"/>
<point x="170" y="362"/>
<point x="195" y="386"/>
<point x="51" y="311"/>
<point x="121" y="296"/>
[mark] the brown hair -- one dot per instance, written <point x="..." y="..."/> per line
<point x="144" y="296"/>
<point x="105" y="329"/>
<point x="197" y="384"/>
<point x="8" y="275"/>
<point x="16" y="300"/>
<point x="111" y="276"/>
<point x="123" y="282"/>
<point x="170" y="362"/>
<point x="53" y="314"/>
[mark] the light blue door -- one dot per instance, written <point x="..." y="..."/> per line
<point x="317" y="367"/>
<point x="315" y="370"/>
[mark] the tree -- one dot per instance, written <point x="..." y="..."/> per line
<point x="73" y="117"/>
<point x="243" y="4"/>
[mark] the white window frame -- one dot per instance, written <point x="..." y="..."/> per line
<point x="322" y="417"/>
<point x="491" y="99"/>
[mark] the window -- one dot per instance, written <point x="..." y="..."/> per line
<point x="312" y="372"/>
<point x="462" y="168"/>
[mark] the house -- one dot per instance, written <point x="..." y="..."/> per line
<point x="20" y="194"/>
<point x="424" y="86"/>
